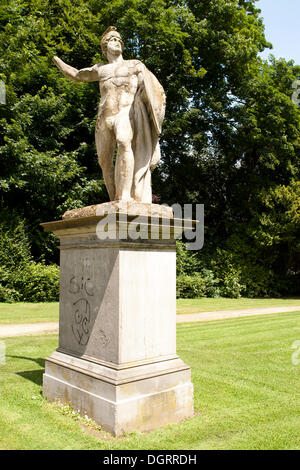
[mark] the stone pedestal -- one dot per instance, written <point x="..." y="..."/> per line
<point x="116" y="360"/>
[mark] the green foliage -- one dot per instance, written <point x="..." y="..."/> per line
<point x="277" y="221"/>
<point x="34" y="283"/>
<point x="189" y="287"/>
<point x="265" y="254"/>
<point x="21" y="278"/>
<point x="228" y="275"/>
<point x="8" y="295"/>
<point x="186" y="261"/>
<point x="47" y="152"/>
<point x="202" y="284"/>
<point x="14" y="244"/>
<point x="230" y="138"/>
<point x="212" y="288"/>
<point x="220" y="279"/>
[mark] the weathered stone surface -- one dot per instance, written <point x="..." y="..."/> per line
<point x="116" y="359"/>
<point x="118" y="304"/>
<point x="131" y="208"/>
<point x="131" y="112"/>
<point x="140" y="398"/>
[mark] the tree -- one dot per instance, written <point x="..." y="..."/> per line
<point x="48" y="163"/>
<point x="231" y="131"/>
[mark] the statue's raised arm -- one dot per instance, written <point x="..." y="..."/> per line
<point x="88" y="74"/>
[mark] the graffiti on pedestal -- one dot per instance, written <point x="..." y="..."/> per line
<point x="83" y="288"/>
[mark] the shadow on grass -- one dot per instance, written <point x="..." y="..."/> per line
<point x="35" y="376"/>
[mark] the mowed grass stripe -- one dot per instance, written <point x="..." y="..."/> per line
<point x="247" y="393"/>
<point x="215" y="304"/>
<point x="243" y="367"/>
<point x="22" y="312"/>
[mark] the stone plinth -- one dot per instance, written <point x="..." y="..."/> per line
<point x="116" y="360"/>
<point x="130" y="208"/>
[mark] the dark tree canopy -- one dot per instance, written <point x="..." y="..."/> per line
<point x="230" y="138"/>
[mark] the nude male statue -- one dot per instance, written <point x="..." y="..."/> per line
<point x="131" y="112"/>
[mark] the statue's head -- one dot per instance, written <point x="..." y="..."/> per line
<point x="110" y="33"/>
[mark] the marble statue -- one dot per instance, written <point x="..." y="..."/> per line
<point x="130" y="115"/>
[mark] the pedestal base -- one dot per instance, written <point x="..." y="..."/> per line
<point x="142" y="397"/>
<point x="116" y="360"/>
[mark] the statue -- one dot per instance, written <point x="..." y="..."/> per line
<point x="131" y="112"/>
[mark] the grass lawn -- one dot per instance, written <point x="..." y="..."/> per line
<point x="247" y="393"/>
<point x="22" y="312"/>
<point x="47" y="312"/>
<point x="210" y="305"/>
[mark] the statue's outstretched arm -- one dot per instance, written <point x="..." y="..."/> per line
<point x="88" y="74"/>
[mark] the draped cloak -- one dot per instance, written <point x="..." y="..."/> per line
<point x="149" y="111"/>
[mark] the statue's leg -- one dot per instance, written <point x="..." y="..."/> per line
<point x="125" y="159"/>
<point x="105" y="144"/>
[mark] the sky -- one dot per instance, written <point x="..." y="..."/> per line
<point x="282" y="28"/>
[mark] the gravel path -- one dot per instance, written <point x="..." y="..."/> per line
<point x="7" y="331"/>
<point x="222" y="314"/>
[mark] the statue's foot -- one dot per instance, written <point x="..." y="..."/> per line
<point x="124" y="199"/>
